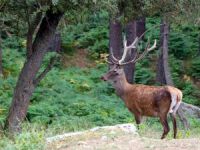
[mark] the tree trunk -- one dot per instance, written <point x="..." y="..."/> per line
<point x="133" y="29"/>
<point x="140" y="26"/>
<point x="130" y="35"/>
<point x="55" y="45"/>
<point x="32" y="26"/>
<point x="25" y="85"/>
<point x="199" y="46"/>
<point x="115" y="38"/>
<point x="1" y="66"/>
<point x="163" y="72"/>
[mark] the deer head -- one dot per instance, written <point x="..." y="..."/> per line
<point x="116" y="72"/>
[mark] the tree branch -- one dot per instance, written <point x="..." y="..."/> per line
<point x="31" y="29"/>
<point x="46" y="70"/>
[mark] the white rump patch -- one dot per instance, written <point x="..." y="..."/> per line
<point x="173" y="103"/>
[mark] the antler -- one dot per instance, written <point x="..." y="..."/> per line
<point x="126" y="48"/>
<point x="138" y="56"/>
<point x="147" y="49"/>
<point x="112" y="55"/>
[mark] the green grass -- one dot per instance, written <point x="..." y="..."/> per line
<point x="73" y="99"/>
<point x="33" y="135"/>
<point x="68" y="100"/>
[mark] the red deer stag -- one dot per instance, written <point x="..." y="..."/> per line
<point x="143" y="100"/>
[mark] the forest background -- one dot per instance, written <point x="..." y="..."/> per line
<point x="71" y="97"/>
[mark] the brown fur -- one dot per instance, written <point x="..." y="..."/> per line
<point x="144" y="100"/>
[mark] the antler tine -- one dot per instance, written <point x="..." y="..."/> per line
<point x="112" y="55"/>
<point x="109" y="62"/>
<point x="153" y="47"/>
<point x="147" y="49"/>
<point x="126" y="48"/>
<point x="133" y="60"/>
<point x="125" y="41"/>
<point x="133" y="44"/>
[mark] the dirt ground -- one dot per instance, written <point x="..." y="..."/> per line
<point x="117" y="139"/>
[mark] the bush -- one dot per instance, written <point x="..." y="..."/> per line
<point x="194" y="70"/>
<point x="144" y="75"/>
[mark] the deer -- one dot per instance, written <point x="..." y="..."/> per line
<point x="143" y="100"/>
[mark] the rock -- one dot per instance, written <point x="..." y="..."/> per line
<point x="104" y="138"/>
<point x="128" y="128"/>
<point x="191" y="110"/>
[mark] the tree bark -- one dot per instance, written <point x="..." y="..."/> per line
<point x="199" y="46"/>
<point x="55" y="45"/>
<point x="133" y="29"/>
<point x="1" y="66"/>
<point x="140" y="26"/>
<point x="25" y="85"/>
<point x="31" y="30"/>
<point x="115" y="38"/>
<point x="163" y="73"/>
<point x="131" y="34"/>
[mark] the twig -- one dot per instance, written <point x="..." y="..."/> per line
<point x="46" y="70"/>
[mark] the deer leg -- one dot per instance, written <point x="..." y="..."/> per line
<point x="174" y="124"/>
<point x="165" y="125"/>
<point x="138" y="119"/>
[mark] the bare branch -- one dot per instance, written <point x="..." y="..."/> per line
<point x="46" y="70"/>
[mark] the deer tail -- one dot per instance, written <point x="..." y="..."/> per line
<point x="176" y="98"/>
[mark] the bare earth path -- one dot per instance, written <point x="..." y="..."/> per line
<point x="120" y="137"/>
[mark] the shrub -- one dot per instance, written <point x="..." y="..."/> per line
<point x="194" y="70"/>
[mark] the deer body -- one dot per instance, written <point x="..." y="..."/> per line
<point x="144" y="100"/>
<point x="147" y="100"/>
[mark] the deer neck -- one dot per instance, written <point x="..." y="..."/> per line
<point x="121" y="86"/>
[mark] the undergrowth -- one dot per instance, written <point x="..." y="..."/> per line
<point x="73" y="99"/>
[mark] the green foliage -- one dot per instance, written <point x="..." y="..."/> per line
<point x="75" y="99"/>
<point x="96" y="39"/>
<point x="91" y="36"/>
<point x="144" y="75"/>
<point x="191" y="93"/>
<point x="184" y="41"/>
<point x="177" y="70"/>
<point x="83" y="95"/>
<point x="194" y="69"/>
<point x="32" y="138"/>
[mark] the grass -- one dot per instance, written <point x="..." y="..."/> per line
<point x="34" y="135"/>
<point x="70" y="100"/>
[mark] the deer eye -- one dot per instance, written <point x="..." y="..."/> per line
<point x="115" y="72"/>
